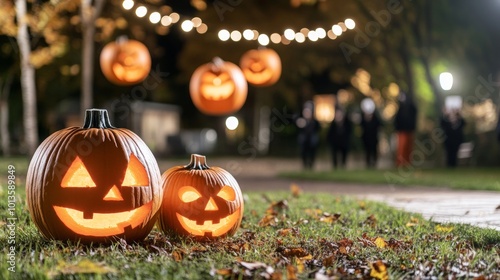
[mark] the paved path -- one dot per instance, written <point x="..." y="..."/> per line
<point x="479" y="208"/>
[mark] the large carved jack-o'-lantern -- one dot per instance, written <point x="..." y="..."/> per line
<point x="218" y="88"/>
<point x="261" y="67"/>
<point x="125" y="62"/>
<point x="200" y="201"/>
<point x="94" y="183"/>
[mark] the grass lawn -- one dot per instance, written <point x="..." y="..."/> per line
<point x="283" y="236"/>
<point x="460" y="178"/>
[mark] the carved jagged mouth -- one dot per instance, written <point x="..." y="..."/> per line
<point x="209" y="228"/>
<point x="100" y="224"/>
<point x="258" y="75"/>
<point x="217" y="93"/>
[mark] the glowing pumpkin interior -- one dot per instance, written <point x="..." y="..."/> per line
<point x="91" y="223"/>
<point x="128" y="65"/>
<point x="214" y="220"/>
<point x="257" y="71"/>
<point x="216" y="86"/>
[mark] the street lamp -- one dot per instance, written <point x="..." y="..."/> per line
<point x="446" y="80"/>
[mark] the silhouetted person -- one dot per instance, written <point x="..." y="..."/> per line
<point x="452" y="124"/>
<point x="405" y="123"/>
<point x="339" y="137"/>
<point x="370" y="123"/>
<point x="308" y="135"/>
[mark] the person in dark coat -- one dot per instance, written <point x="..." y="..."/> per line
<point x="339" y="137"/>
<point x="308" y="135"/>
<point x="370" y="123"/>
<point x="452" y="124"/>
<point x="405" y="123"/>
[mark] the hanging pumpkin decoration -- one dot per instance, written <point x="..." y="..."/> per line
<point x="261" y="67"/>
<point x="200" y="201"/>
<point x="94" y="183"/>
<point x="125" y="62"/>
<point x="218" y="88"/>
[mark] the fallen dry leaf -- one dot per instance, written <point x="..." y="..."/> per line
<point x="224" y="271"/>
<point x="362" y="205"/>
<point x="178" y="255"/>
<point x="329" y="218"/>
<point x="378" y="270"/>
<point x="371" y="220"/>
<point x="291" y="272"/>
<point x="380" y="242"/>
<point x="295" y="189"/>
<point x="314" y="213"/>
<point x="292" y="252"/>
<point x="278" y="207"/>
<point x="329" y="261"/>
<point x="277" y="275"/>
<point x="252" y="265"/>
<point x="84" y="266"/>
<point x="344" y="250"/>
<point x="268" y="220"/>
<point x="301" y="267"/>
<point x="288" y="231"/>
<point x="440" y="228"/>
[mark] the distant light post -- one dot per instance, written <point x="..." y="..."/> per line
<point x="446" y="80"/>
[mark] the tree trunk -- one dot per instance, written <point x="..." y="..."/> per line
<point x="88" y="14"/>
<point x="4" y="114"/>
<point x="27" y="80"/>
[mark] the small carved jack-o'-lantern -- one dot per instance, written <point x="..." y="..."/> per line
<point x="261" y="67"/>
<point x="218" y="88"/>
<point x="94" y="183"/>
<point x="125" y="62"/>
<point x="200" y="201"/>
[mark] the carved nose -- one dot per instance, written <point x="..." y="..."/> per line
<point x="211" y="206"/>
<point x="113" y="195"/>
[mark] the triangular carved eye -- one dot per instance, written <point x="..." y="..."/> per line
<point x="77" y="176"/>
<point x="136" y="175"/>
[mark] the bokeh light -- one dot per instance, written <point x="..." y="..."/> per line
<point x="349" y="23"/>
<point x="276" y="38"/>
<point x="141" y="11"/>
<point x="248" y="34"/>
<point x="224" y="35"/>
<point x="232" y="123"/>
<point x="263" y="39"/>
<point x="166" y="21"/>
<point x="187" y="25"/>
<point x="321" y="33"/>
<point x="235" y="35"/>
<point x="202" y="29"/>
<point x="154" y="17"/>
<point x="299" y="37"/>
<point x="128" y="4"/>
<point x="175" y="17"/>
<point x="337" y="30"/>
<point x="289" y="34"/>
<point x="196" y="22"/>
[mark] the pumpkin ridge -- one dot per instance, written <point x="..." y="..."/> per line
<point x="205" y="213"/>
<point x="52" y="161"/>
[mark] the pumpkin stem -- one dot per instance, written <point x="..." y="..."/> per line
<point x="96" y="118"/>
<point x="121" y="39"/>
<point x="218" y="63"/>
<point x="198" y="162"/>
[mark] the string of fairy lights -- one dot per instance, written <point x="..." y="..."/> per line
<point x="196" y="24"/>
